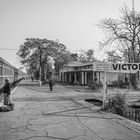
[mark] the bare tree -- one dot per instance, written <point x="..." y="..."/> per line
<point x="123" y="34"/>
<point x="113" y="57"/>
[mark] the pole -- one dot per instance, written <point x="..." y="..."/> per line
<point x="104" y="90"/>
<point x="133" y="11"/>
<point x="133" y="6"/>
<point x="40" y="76"/>
<point x="39" y="49"/>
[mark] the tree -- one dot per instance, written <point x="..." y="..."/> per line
<point x="35" y="53"/>
<point x="86" y="56"/>
<point x="74" y="56"/>
<point x="113" y="57"/>
<point x="124" y="35"/>
<point x="90" y="55"/>
<point x="62" y="58"/>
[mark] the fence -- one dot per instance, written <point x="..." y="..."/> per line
<point x="132" y="114"/>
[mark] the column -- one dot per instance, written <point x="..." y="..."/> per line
<point x="93" y="76"/>
<point x="62" y="76"/>
<point x="82" y="77"/>
<point x="65" y="77"/>
<point x="69" y="77"/>
<point x="75" y="77"/>
<point x="85" y="78"/>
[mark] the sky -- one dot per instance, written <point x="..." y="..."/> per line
<point x="71" y="22"/>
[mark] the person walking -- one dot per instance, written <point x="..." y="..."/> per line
<point x="7" y="92"/>
<point x="32" y="78"/>
<point x="51" y="83"/>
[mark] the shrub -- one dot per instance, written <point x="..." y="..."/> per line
<point x="123" y="84"/>
<point x="116" y="104"/>
<point x="94" y="85"/>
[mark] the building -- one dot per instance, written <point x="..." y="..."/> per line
<point x="84" y="74"/>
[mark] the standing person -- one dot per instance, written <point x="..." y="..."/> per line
<point x="32" y="78"/>
<point x="51" y="83"/>
<point x="7" y="92"/>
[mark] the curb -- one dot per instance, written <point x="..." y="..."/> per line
<point x="132" y="125"/>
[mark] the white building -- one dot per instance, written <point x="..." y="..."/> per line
<point x="83" y="74"/>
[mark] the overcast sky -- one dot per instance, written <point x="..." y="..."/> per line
<point x="72" y="22"/>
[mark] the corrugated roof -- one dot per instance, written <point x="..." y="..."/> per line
<point x="80" y="64"/>
<point x="74" y="64"/>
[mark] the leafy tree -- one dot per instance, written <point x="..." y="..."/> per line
<point x="90" y="55"/>
<point x="123" y="34"/>
<point x="87" y="56"/>
<point x="62" y="58"/>
<point x="74" y="56"/>
<point x="35" y="53"/>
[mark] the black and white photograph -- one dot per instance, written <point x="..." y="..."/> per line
<point x="69" y="70"/>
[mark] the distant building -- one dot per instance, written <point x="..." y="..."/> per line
<point x="83" y="74"/>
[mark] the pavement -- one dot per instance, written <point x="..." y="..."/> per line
<point x="62" y="114"/>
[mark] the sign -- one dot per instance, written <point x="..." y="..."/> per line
<point x="126" y="67"/>
<point x="116" y="67"/>
<point x="100" y="66"/>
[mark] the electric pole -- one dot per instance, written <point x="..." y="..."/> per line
<point x="133" y="6"/>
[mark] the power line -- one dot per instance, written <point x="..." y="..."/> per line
<point x="68" y="49"/>
<point x="83" y="50"/>
<point x="7" y="49"/>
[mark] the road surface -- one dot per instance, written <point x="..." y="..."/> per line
<point x="60" y="115"/>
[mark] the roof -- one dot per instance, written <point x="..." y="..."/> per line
<point x="79" y="64"/>
<point x="7" y="63"/>
<point x="74" y="64"/>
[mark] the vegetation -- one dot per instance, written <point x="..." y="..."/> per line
<point x="46" y="56"/>
<point x="86" y="56"/>
<point x="123" y="36"/>
<point x="83" y="56"/>
<point x="41" y="54"/>
<point x="113" y="57"/>
<point x="116" y="104"/>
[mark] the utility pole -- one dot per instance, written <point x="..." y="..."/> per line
<point x="133" y="6"/>
<point x="39" y="48"/>
<point x="40" y="83"/>
<point x="133" y="25"/>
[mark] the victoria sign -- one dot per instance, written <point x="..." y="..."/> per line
<point x="126" y="67"/>
<point x="120" y="67"/>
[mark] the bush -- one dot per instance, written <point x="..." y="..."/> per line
<point x="122" y="84"/>
<point x="94" y="85"/>
<point x="116" y="104"/>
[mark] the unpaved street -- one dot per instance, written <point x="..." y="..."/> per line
<point x="59" y="115"/>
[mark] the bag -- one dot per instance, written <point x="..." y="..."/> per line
<point x="11" y="105"/>
<point x="4" y="108"/>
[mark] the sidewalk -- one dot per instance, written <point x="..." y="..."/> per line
<point x="60" y="115"/>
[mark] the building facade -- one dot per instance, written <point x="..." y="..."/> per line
<point x="83" y="74"/>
